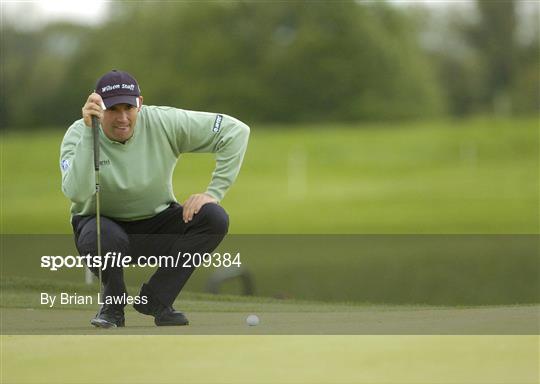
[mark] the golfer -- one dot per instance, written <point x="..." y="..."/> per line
<point x="140" y="215"/>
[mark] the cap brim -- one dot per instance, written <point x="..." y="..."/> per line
<point x="122" y="99"/>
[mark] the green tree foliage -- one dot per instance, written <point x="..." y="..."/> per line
<point x="34" y="81"/>
<point x="525" y="92"/>
<point x="482" y="63"/>
<point x="495" y="41"/>
<point x="273" y="61"/>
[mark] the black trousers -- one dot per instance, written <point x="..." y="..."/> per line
<point x="164" y="234"/>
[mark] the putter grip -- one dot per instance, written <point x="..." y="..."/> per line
<point x="95" y="132"/>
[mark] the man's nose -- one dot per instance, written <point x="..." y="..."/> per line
<point x="122" y="116"/>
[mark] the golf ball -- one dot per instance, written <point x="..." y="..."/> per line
<point x="252" y="320"/>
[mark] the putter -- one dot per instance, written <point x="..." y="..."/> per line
<point x="95" y="131"/>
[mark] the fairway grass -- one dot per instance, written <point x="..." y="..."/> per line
<point x="462" y="176"/>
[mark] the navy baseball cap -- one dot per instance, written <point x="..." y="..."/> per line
<point x="118" y="87"/>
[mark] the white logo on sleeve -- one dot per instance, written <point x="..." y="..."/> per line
<point x="217" y="123"/>
<point x="64" y="164"/>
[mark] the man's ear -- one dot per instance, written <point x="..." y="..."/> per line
<point x="140" y="103"/>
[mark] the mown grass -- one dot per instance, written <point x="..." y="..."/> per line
<point x="289" y="346"/>
<point x="23" y="313"/>
<point x="270" y="359"/>
<point x="476" y="176"/>
<point x="471" y="176"/>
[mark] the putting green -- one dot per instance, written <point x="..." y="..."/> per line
<point x="232" y="355"/>
<point x="270" y="359"/>
<point x="220" y="351"/>
<point x="22" y="314"/>
<point x="351" y="320"/>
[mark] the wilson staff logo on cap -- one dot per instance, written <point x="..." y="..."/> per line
<point x="118" y="87"/>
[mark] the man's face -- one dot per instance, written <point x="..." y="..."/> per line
<point x="119" y="121"/>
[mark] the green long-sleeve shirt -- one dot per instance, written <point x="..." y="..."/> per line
<point x="136" y="177"/>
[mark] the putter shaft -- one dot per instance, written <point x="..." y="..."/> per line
<point x="95" y="129"/>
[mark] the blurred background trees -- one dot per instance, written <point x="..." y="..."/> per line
<point x="294" y="61"/>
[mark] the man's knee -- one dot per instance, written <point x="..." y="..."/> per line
<point x="215" y="218"/>
<point x="113" y="238"/>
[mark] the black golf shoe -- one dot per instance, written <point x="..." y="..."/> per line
<point x="109" y="316"/>
<point x="163" y="314"/>
<point x="170" y="316"/>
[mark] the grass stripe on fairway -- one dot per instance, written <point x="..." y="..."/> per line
<point x="461" y="176"/>
<point x="270" y="359"/>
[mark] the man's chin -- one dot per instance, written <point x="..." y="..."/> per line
<point x="122" y="136"/>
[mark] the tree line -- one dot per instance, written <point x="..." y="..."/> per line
<point x="268" y="61"/>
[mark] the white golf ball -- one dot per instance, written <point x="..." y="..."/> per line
<point x="252" y="320"/>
